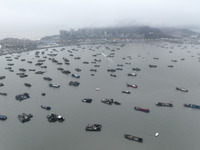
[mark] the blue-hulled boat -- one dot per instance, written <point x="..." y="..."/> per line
<point x="75" y="76"/>
<point x="192" y="106"/>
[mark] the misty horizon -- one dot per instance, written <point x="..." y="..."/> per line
<point x="34" y="19"/>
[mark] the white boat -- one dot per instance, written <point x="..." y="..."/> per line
<point x="97" y="89"/>
<point x="156" y="134"/>
<point x="54" y="85"/>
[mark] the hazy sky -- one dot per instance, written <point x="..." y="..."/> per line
<point x="36" y="18"/>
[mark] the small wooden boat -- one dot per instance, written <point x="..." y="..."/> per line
<point x="134" y="138"/>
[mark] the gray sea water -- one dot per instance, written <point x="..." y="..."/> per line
<point x="178" y="126"/>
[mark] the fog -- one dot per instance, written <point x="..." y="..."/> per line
<point x="36" y="18"/>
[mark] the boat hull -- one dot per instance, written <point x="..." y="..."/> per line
<point x="133" y="138"/>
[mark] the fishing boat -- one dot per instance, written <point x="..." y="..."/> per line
<point x="75" y="76"/>
<point x="4" y="94"/>
<point x="46" y="107"/>
<point x="136" y="69"/>
<point x="27" y="84"/>
<point x="87" y="100"/>
<point x="2" y="77"/>
<point x="181" y="89"/>
<point x="157" y="134"/>
<point x="152" y="66"/>
<point x="74" y="83"/>
<point x="54" y="117"/>
<point x="164" y="104"/>
<point x="113" y="75"/>
<point x="93" y="127"/>
<point x="23" y="96"/>
<point x="107" y="101"/>
<point x="2" y="117"/>
<point x="141" y="109"/>
<point x="192" y="106"/>
<point x="134" y="138"/>
<point x="47" y="78"/>
<point x="126" y="92"/>
<point x="54" y="85"/>
<point x="24" y="117"/>
<point x="117" y="103"/>
<point x="132" y="74"/>
<point x="132" y="85"/>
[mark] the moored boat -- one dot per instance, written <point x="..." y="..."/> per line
<point x="2" y="77"/>
<point x="87" y="100"/>
<point x="46" y="107"/>
<point x="136" y="69"/>
<point x="107" y="101"/>
<point x="4" y="94"/>
<point x="54" y="85"/>
<point x="134" y="138"/>
<point x="152" y="66"/>
<point x="164" y="104"/>
<point x="117" y="103"/>
<point x="54" y="117"/>
<point x="192" y="106"/>
<point x="27" y="84"/>
<point x="47" y="78"/>
<point x="113" y="75"/>
<point x="74" y="83"/>
<point x="93" y="127"/>
<point x="126" y="92"/>
<point x="141" y="109"/>
<point x="75" y="76"/>
<point x="132" y="85"/>
<point x="24" y="117"/>
<point x="21" y="97"/>
<point x="2" y="117"/>
<point x="181" y="89"/>
<point x="132" y="74"/>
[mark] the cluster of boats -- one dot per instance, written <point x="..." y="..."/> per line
<point x="110" y="101"/>
<point x="24" y="117"/>
<point x="52" y="117"/>
<point x="21" y="97"/>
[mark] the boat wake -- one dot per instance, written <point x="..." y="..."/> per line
<point x="109" y="59"/>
